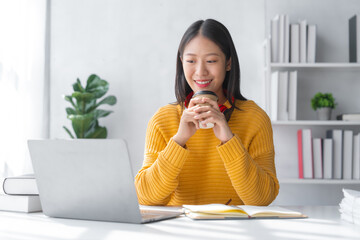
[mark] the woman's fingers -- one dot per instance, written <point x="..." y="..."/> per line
<point x="189" y="117"/>
<point x="207" y="101"/>
<point x="210" y="116"/>
<point x="196" y="122"/>
<point x="204" y="110"/>
<point x="199" y="109"/>
<point x="195" y="101"/>
<point x="203" y="115"/>
<point x="212" y="103"/>
<point x="209" y="120"/>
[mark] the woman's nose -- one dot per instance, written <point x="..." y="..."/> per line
<point x="201" y="69"/>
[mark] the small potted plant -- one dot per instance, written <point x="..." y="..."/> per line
<point x="323" y="103"/>
<point x="84" y="113"/>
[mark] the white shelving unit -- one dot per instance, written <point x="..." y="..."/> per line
<point x="315" y="123"/>
<point x="314" y="65"/>
<point x="319" y="181"/>
<point x="285" y="138"/>
<point x="332" y="74"/>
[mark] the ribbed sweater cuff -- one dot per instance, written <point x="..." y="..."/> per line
<point x="231" y="150"/>
<point x="175" y="154"/>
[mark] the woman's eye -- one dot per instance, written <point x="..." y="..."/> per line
<point x="190" y="61"/>
<point x="211" y="61"/>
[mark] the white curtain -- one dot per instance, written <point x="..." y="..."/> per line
<point x="23" y="82"/>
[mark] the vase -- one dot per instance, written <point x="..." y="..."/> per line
<point x="324" y="113"/>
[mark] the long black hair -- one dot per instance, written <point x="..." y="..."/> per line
<point x="219" y="34"/>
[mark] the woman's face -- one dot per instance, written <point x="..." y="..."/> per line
<point x="205" y="65"/>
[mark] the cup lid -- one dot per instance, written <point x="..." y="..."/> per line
<point x="204" y="92"/>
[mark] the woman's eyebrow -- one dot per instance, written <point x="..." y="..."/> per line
<point x="208" y="54"/>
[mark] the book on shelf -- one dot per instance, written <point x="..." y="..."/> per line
<point x="25" y="204"/>
<point x="274" y="39"/>
<point x="328" y="158"/>
<point x="287" y="39"/>
<point x="222" y="211"/>
<point x="283" y="96"/>
<point x="305" y="153"/>
<point x="303" y="39"/>
<point x="356" y="157"/>
<point x="292" y="42"/>
<point x="292" y="95"/>
<point x="347" y="153"/>
<point x="20" y="185"/>
<point x="318" y="158"/>
<point x="311" y="44"/>
<point x="279" y="30"/>
<point x="279" y="96"/>
<point x="281" y="38"/>
<point x="337" y="136"/>
<point x="349" y="117"/>
<point x="354" y="39"/>
<point x="295" y="43"/>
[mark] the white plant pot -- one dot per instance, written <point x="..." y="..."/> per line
<point x="323" y="114"/>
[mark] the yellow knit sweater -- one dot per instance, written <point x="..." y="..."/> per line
<point x="205" y="171"/>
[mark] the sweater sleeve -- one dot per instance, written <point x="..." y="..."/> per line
<point x="158" y="177"/>
<point x="252" y="169"/>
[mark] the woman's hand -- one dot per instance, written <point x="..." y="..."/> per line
<point x="188" y="124"/>
<point x="212" y="114"/>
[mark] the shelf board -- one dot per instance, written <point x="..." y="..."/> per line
<point x="316" y="123"/>
<point x="315" y="65"/>
<point x="317" y="181"/>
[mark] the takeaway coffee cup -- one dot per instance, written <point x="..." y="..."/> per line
<point x="205" y="94"/>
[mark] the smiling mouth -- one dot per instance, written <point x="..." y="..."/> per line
<point x="202" y="83"/>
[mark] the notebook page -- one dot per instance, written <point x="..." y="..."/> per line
<point x="214" y="209"/>
<point x="268" y="210"/>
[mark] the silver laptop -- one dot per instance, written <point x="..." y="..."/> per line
<point x="88" y="179"/>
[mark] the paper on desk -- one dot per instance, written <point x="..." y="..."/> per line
<point x="350" y="206"/>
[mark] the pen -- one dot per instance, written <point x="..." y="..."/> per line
<point x="228" y="202"/>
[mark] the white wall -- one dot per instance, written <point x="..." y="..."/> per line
<point x="133" y="44"/>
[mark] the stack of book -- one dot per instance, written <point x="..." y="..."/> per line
<point x="292" y="42"/>
<point x="283" y="96"/>
<point x="20" y="194"/>
<point x="355" y="117"/>
<point x="354" y="39"/>
<point x="335" y="157"/>
<point x="350" y="206"/>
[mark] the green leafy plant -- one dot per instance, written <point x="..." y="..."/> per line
<point x="84" y="113"/>
<point x="322" y="100"/>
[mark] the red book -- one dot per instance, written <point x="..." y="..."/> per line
<point x="305" y="154"/>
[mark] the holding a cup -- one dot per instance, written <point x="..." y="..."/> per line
<point x="205" y="94"/>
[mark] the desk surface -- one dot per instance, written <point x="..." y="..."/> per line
<point x="323" y="223"/>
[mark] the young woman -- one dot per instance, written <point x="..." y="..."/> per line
<point x="234" y="160"/>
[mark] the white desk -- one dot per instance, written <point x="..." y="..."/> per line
<point x="323" y="224"/>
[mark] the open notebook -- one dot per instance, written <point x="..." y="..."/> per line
<point x="222" y="211"/>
